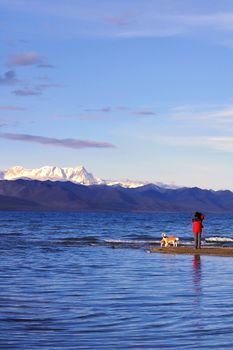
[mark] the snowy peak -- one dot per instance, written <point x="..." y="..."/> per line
<point x="125" y="183"/>
<point x="78" y="174"/>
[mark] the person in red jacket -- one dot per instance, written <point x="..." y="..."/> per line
<point x="197" y="228"/>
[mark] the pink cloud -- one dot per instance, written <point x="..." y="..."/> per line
<point x="25" y="59"/>
<point x="121" y="20"/>
<point x="12" y="108"/>
<point x="68" y="143"/>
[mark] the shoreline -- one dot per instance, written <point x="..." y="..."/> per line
<point x="216" y="251"/>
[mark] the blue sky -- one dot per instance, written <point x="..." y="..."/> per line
<point x="129" y="89"/>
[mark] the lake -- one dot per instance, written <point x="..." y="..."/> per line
<point x="86" y="281"/>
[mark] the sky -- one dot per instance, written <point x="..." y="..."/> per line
<point x="137" y="89"/>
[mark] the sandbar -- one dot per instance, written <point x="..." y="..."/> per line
<point x="218" y="251"/>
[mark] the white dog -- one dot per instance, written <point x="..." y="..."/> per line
<point x="168" y="240"/>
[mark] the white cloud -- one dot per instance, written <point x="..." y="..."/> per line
<point x="216" y="115"/>
<point x="220" y="143"/>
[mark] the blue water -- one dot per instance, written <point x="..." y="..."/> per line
<point x="86" y="281"/>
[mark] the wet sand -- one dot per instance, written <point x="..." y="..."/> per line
<point x="190" y="250"/>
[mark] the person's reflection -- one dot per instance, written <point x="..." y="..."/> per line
<point x="197" y="292"/>
<point x="197" y="276"/>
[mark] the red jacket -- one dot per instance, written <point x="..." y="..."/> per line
<point x="196" y="226"/>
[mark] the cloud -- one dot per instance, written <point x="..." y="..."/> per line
<point x="25" y="59"/>
<point x="104" y="109"/>
<point x="144" y="113"/>
<point x="12" y="108"/>
<point x="167" y="24"/>
<point x="9" y="78"/>
<point x="68" y="143"/>
<point x="91" y="117"/>
<point x="120" y="20"/>
<point x="106" y="113"/>
<point x="37" y="90"/>
<point x="130" y="19"/>
<point x="28" y="59"/>
<point x="87" y="117"/>
<point x="44" y="65"/>
<point x="2" y="124"/>
<point x="222" y="21"/>
<point x="123" y="109"/>
<point x="42" y="87"/>
<point x="216" y="115"/>
<point x="26" y="92"/>
<point x="220" y="143"/>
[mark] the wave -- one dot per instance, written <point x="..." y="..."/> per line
<point x="84" y="240"/>
<point x="141" y="242"/>
<point x="137" y="243"/>
<point x="131" y="241"/>
<point x="209" y="241"/>
<point x="219" y="239"/>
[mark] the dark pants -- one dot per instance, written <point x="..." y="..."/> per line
<point x="197" y="240"/>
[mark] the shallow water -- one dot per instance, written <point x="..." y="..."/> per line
<point x="85" y="281"/>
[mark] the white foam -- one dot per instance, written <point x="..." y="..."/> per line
<point x="218" y="239"/>
<point x="131" y="241"/>
<point x="207" y="241"/>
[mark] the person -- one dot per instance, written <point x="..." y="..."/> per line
<point x="197" y="228"/>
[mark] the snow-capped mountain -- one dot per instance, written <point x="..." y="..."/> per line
<point x="125" y="183"/>
<point x="77" y="175"/>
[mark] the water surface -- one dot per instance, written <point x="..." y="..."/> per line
<point x="85" y="281"/>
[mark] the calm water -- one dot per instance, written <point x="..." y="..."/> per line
<point x="85" y="281"/>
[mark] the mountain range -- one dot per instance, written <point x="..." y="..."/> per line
<point x="78" y="175"/>
<point x="24" y="194"/>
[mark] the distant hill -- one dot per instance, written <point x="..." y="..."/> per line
<point x="48" y="195"/>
